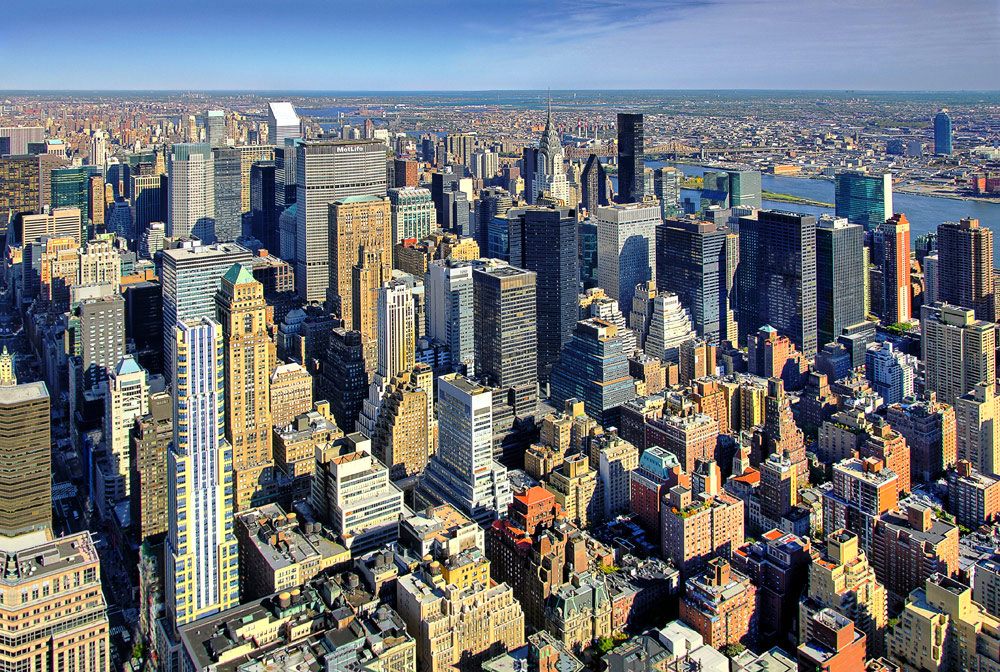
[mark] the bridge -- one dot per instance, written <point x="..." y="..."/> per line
<point x="671" y="150"/>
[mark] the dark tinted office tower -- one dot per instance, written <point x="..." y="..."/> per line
<point x="144" y="323"/>
<point x="965" y="267"/>
<point x="631" y="166"/>
<point x="594" y="369"/>
<point x="715" y="190"/>
<point x="593" y="185"/>
<point x="544" y="240"/>
<point x="942" y="133"/>
<point x="745" y="189"/>
<point x="588" y="254"/>
<point x="263" y="206"/>
<point x="19" y="185"/>
<point x="147" y="200"/>
<point x="840" y="279"/>
<point x="924" y="245"/>
<point x="457" y="217"/>
<point x="441" y="182"/>
<point x="25" y="459"/>
<point x="863" y="198"/>
<point x="529" y="159"/>
<point x="228" y="195"/>
<point x="427" y="150"/>
<point x="70" y="187"/>
<point x="506" y="332"/>
<point x="691" y="260"/>
<point x="149" y="441"/>
<point x="345" y="381"/>
<point x="492" y="202"/>
<point x="777" y="276"/>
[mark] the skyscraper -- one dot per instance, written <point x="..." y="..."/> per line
<point x="215" y="128"/>
<point x="942" y="133"/>
<point x="396" y="346"/>
<point x="463" y="472"/>
<point x="777" y="276"/>
<point x="19" y="184"/>
<point x="201" y="550"/>
<point x="964" y="270"/>
<point x="263" y="206"/>
<point x="594" y="369"/>
<point x="360" y="235"/>
<point x="863" y="198"/>
<point x="840" y="272"/>
<point x="449" y="307"/>
<point x="228" y="206"/>
<point x="506" y="335"/>
<point x="241" y="312"/>
<point x="25" y="455"/>
<point x="149" y="196"/>
<point x="329" y="171"/>
<point x="745" y="189"/>
<point x="694" y="261"/>
<point x="667" y="189"/>
<point x="191" y="200"/>
<point x="126" y="397"/>
<point x="958" y="350"/>
<point x="550" y="171"/>
<point x="631" y="165"/>
<point x="544" y="240"/>
<point x="282" y="122"/>
<point x="593" y="185"/>
<point x="626" y="248"/>
<point x="895" y="238"/>
<point x="412" y="213"/>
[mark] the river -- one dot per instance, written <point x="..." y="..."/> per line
<point x="923" y="212"/>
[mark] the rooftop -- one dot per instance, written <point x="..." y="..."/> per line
<point x="47" y="558"/>
<point x="16" y="394"/>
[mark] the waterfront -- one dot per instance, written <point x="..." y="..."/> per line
<point x="923" y="212"/>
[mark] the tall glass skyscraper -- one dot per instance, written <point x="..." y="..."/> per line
<point x="667" y="189"/>
<point x="840" y="277"/>
<point x="777" y="276"/>
<point x="631" y="153"/>
<point x="863" y="198"/>
<point x="544" y="240"/>
<point x="228" y="195"/>
<point x="745" y="189"/>
<point x="942" y="133"/>
<point x="71" y="187"/>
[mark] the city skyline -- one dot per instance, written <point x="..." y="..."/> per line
<point x="930" y="47"/>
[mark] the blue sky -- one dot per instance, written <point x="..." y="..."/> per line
<point x="514" y="44"/>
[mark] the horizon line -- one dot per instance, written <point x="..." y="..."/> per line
<point x="418" y="91"/>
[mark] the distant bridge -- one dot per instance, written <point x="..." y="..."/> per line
<point x="672" y="149"/>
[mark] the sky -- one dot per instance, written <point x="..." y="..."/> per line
<point x="408" y="45"/>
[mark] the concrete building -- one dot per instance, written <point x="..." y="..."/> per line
<point x="949" y="335"/>
<point x="973" y="498"/>
<point x="26" y="483"/>
<point x="330" y="171"/>
<point x="891" y="372"/>
<point x="412" y="213"/>
<point x="574" y="484"/>
<point x="291" y="393"/>
<point x="862" y="491"/>
<point x="403" y="435"/>
<point x="978" y="441"/>
<point x="282" y="123"/>
<point x="191" y="197"/>
<point x="986" y="584"/>
<point x="57" y="582"/>
<point x="626" y="248"/>
<point x="941" y="628"/>
<point x="449" y="308"/>
<point x="149" y="445"/>
<point x="929" y="429"/>
<point x="126" y="396"/>
<point x="617" y="459"/>
<point x="842" y="579"/>
<point x="965" y="267"/>
<point x="894" y="239"/>
<point x="294" y="446"/>
<point x="353" y="493"/>
<point x="720" y="604"/>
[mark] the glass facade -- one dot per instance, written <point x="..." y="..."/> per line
<point x="840" y="284"/>
<point x="862" y="198"/>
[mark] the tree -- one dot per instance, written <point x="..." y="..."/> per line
<point x="732" y="650"/>
<point x="605" y="644"/>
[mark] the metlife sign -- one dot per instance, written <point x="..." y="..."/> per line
<point x="350" y="148"/>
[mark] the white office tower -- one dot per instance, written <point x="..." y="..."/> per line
<point x="191" y="192"/>
<point x="126" y="397"/>
<point x="626" y="248"/>
<point x="191" y="276"/>
<point x="463" y="472"/>
<point x="550" y="172"/>
<point x="353" y="492"/>
<point x="448" y="296"/>
<point x="152" y="239"/>
<point x="669" y="327"/>
<point x="394" y="315"/>
<point x="607" y="309"/>
<point x="930" y="279"/>
<point x="282" y="122"/>
<point x="201" y="553"/>
<point x="99" y="150"/>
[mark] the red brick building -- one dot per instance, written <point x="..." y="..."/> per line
<point x="721" y="605"/>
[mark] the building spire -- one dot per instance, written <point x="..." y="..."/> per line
<point x="548" y="118"/>
<point x="8" y="377"/>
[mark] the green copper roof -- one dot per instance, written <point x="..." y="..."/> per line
<point x="238" y="275"/>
